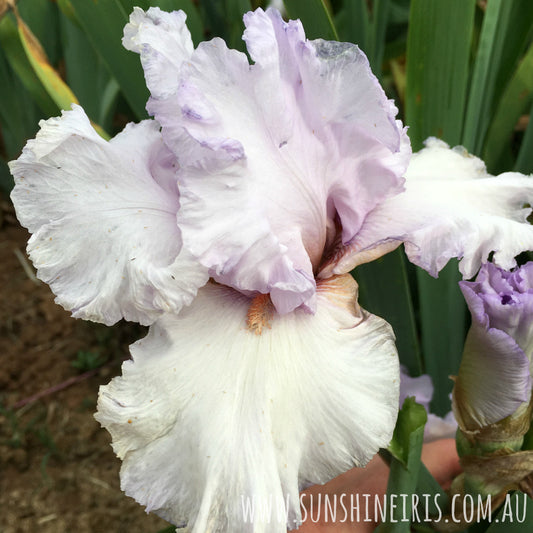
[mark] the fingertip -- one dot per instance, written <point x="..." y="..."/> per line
<point x="441" y="459"/>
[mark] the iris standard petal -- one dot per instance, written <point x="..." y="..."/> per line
<point x="230" y="400"/>
<point x="103" y="219"/>
<point x="163" y="42"/>
<point x="451" y="208"/>
<point x="262" y="139"/>
<point x="366" y="149"/>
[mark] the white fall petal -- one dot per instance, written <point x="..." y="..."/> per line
<point x="103" y="218"/>
<point x="210" y="412"/>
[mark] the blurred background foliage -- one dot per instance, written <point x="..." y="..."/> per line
<point x="461" y="70"/>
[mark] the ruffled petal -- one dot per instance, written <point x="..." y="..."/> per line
<point x="230" y="400"/>
<point x="103" y="218"/>
<point x="504" y="300"/>
<point x="163" y="42"/>
<point x="366" y="151"/>
<point x="451" y="208"/>
<point x="271" y="162"/>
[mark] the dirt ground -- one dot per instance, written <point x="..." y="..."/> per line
<point x="58" y="472"/>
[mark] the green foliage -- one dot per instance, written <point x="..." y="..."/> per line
<point x="367" y="28"/>
<point x="411" y="421"/>
<point x="21" y="70"/>
<point x="436" y="93"/>
<point x="443" y="319"/>
<point x="384" y="291"/>
<point x="88" y="360"/>
<point x="514" y="102"/>
<point x="87" y="75"/>
<point x="437" y="69"/>
<point x="315" y="16"/>
<point x="504" y="33"/>
<point x="224" y="19"/>
<point x="406" y="449"/>
<point x="16" y="434"/>
<point x="524" y="161"/>
<point x="18" y="430"/>
<point x="513" y="515"/>
<point x="103" y="23"/>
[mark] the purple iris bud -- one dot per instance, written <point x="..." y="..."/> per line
<point x="494" y="380"/>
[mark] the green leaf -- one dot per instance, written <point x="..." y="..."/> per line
<point x="367" y="29"/>
<point x="505" y="27"/>
<point x="443" y="327"/>
<point x="437" y="68"/>
<point x="427" y="484"/>
<point x="58" y="90"/>
<point x="42" y="17"/>
<point x="398" y="75"/>
<point x="18" y="113"/>
<point x="224" y="18"/>
<point x="515" y="515"/>
<point x="516" y="41"/>
<point x="108" y="100"/>
<point x="484" y="75"/>
<point x="6" y="179"/>
<point x="524" y="161"/>
<point x="235" y="9"/>
<point x="515" y="100"/>
<point x="87" y="75"/>
<point x="384" y="291"/>
<point x="379" y="19"/>
<point x="315" y="16"/>
<point x="14" y="52"/>
<point x="406" y="449"/>
<point x="399" y="11"/>
<point x="67" y="10"/>
<point x="82" y="66"/>
<point x="412" y="418"/>
<point x="103" y="22"/>
<point x="353" y="23"/>
<point x="436" y="85"/>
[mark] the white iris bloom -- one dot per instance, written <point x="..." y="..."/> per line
<point x="229" y="224"/>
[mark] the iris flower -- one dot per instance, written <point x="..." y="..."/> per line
<point x="492" y="392"/>
<point x="229" y="224"/>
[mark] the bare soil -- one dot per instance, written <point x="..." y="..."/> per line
<point x="58" y="472"/>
